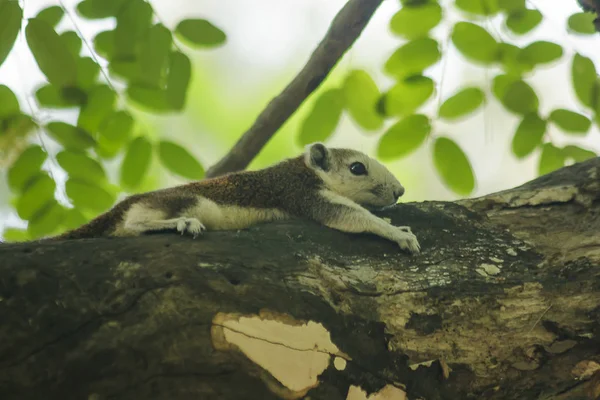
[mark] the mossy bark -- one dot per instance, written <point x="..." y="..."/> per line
<point x="503" y="303"/>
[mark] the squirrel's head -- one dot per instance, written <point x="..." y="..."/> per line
<point x="354" y="175"/>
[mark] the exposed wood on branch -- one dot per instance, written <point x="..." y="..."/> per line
<point x="503" y="303"/>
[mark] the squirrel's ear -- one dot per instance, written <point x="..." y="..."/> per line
<point x="318" y="156"/>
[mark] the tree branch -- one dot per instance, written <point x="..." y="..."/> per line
<point x="345" y="28"/>
<point x="592" y="6"/>
<point x="503" y="303"/>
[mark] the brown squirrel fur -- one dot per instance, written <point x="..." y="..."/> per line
<point x="320" y="185"/>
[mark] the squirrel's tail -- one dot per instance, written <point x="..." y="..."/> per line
<point x="101" y="226"/>
<point x="98" y="227"/>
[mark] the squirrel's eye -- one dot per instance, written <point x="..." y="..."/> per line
<point x="358" y="168"/>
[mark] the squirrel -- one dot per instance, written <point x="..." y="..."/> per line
<point x="333" y="186"/>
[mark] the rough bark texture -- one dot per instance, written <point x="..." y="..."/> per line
<point x="503" y="303"/>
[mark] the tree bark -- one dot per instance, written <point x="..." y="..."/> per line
<point x="503" y="303"/>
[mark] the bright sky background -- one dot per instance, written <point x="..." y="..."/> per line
<point x="273" y="38"/>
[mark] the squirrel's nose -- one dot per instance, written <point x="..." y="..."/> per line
<point x="398" y="193"/>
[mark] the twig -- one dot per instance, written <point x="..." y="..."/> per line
<point x="345" y="28"/>
<point x="539" y="319"/>
<point x="592" y="6"/>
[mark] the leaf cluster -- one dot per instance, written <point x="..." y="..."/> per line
<point x="402" y="103"/>
<point x="144" y="58"/>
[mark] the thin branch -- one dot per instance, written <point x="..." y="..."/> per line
<point x="87" y="45"/>
<point x="539" y="319"/>
<point x="592" y="6"/>
<point x="345" y="28"/>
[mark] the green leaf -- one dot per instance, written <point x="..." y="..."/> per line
<point x="26" y="167"/>
<point x="552" y="158"/>
<point x="152" y="99"/>
<point x="81" y="166"/>
<point x="321" y="121"/>
<point x="9" y="105"/>
<point x="177" y="160"/>
<point x="200" y="33"/>
<point x="577" y="153"/>
<point x="413" y="58"/>
<point x="523" y="21"/>
<point x="18" y="125"/>
<point x="511" y="5"/>
<point x="51" y="53"/>
<point x="11" y="15"/>
<point x="529" y="135"/>
<point x="570" y="121"/>
<point x="453" y="166"/>
<point x="475" y="43"/>
<point x="98" y="9"/>
<point x="582" y="23"/>
<point x="51" y="15"/>
<point x="415" y="21"/>
<point x="88" y="72"/>
<point x="104" y="44"/>
<point x="154" y="56"/>
<point x="115" y="131"/>
<point x="501" y="83"/>
<point x="462" y="103"/>
<point x="100" y="104"/>
<point x="35" y="196"/>
<point x="47" y="220"/>
<point x="72" y="41"/>
<point x="51" y="96"/>
<point x="520" y="98"/>
<point x="136" y="162"/>
<point x="478" y="7"/>
<point x="126" y="70"/>
<point x="106" y="149"/>
<point x="583" y="75"/>
<point x="117" y="127"/>
<point x="361" y="95"/>
<point x="540" y="52"/>
<point x="408" y="95"/>
<point x="511" y="61"/>
<point x="134" y="19"/>
<point x="73" y="219"/>
<point x="88" y="196"/>
<point x="178" y="80"/>
<point x="15" y="235"/>
<point x="74" y="95"/>
<point x="404" y="137"/>
<point x="71" y="137"/>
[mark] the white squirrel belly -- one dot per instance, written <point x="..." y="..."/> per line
<point x="227" y="217"/>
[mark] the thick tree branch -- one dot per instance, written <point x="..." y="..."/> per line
<point x="345" y="28"/>
<point x="503" y="303"/>
<point x="592" y="6"/>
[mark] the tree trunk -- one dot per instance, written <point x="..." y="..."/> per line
<point x="503" y="303"/>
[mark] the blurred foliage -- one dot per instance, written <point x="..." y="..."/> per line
<point x="413" y="89"/>
<point x="144" y="59"/>
<point x="146" y="67"/>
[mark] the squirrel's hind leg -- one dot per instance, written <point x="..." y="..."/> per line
<point x="182" y="224"/>
<point x="190" y="225"/>
<point x="142" y="219"/>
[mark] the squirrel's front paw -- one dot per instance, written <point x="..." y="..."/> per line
<point x="190" y="225"/>
<point x="408" y="241"/>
